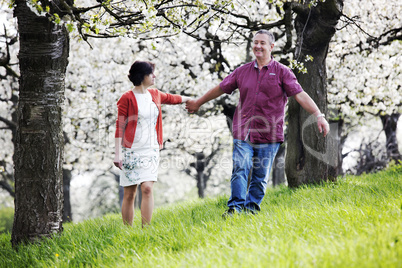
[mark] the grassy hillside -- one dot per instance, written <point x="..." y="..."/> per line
<point x="356" y="222"/>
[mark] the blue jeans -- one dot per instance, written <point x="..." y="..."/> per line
<point x="246" y="157"/>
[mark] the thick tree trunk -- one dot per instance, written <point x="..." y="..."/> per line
<point x="389" y="124"/>
<point x="43" y="55"/>
<point x="67" y="213"/>
<point x="311" y="158"/>
<point x="339" y="123"/>
<point x="278" y="168"/>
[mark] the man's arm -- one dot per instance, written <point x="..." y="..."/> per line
<point x="309" y="105"/>
<point x="193" y="105"/>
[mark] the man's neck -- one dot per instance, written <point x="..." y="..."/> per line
<point x="263" y="62"/>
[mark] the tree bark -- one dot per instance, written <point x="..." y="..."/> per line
<point x="337" y="132"/>
<point x="67" y="212"/>
<point x="311" y="158"/>
<point x="121" y="188"/>
<point x="199" y="166"/>
<point x="44" y="48"/>
<point x="389" y="124"/>
<point x="278" y="168"/>
<point x="200" y="184"/>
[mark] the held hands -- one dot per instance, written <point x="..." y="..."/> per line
<point x="192" y="106"/>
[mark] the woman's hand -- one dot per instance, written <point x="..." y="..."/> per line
<point x="118" y="162"/>
<point x="185" y="99"/>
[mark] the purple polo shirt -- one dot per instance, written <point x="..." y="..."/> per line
<point x="263" y="96"/>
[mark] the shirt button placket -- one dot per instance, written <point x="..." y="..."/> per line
<point x="255" y="105"/>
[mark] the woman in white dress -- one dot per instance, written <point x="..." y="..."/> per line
<point x="139" y="138"/>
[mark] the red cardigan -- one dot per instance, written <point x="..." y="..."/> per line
<point x="127" y="115"/>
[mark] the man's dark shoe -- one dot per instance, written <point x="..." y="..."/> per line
<point x="229" y="213"/>
<point x="250" y="211"/>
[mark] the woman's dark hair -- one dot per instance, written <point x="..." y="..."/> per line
<point x="139" y="70"/>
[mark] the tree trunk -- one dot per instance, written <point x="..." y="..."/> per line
<point x="389" y="124"/>
<point x="67" y="213"/>
<point x="201" y="184"/>
<point x="311" y="158"/>
<point x="339" y="123"/>
<point x="199" y="166"/>
<point x="278" y="169"/>
<point x="44" y="49"/>
<point x="121" y="189"/>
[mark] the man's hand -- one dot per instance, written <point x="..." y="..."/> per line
<point x="309" y="105"/>
<point x="192" y="106"/>
<point x="323" y="125"/>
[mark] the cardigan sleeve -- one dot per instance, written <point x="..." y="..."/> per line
<point x="122" y="114"/>
<point x="167" y="98"/>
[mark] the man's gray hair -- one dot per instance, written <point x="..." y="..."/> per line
<point x="271" y="36"/>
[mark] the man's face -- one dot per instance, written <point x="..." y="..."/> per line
<point x="262" y="47"/>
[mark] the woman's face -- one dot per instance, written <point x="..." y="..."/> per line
<point x="149" y="80"/>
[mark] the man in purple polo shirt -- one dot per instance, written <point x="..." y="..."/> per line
<point x="264" y="86"/>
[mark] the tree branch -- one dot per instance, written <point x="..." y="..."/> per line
<point x="7" y="187"/>
<point x="5" y="61"/>
<point x="11" y="125"/>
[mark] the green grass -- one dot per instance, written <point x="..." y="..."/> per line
<point x="6" y="219"/>
<point x="356" y="222"/>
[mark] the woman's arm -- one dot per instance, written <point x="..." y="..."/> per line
<point x="118" y="162"/>
<point x="122" y="113"/>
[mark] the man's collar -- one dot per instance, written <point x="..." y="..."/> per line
<point x="256" y="64"/>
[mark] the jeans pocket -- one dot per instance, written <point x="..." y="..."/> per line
<point x="237" y="142"/>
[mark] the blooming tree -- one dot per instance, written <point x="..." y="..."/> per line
<point x="8" y="97"/>
<point x="364" y="67"/>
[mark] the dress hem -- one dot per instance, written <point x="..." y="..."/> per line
<point x="139" y="182"/>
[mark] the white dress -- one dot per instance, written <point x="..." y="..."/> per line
<point x="141" y="161"/>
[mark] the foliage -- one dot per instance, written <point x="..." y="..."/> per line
<point x="8" y="95"/>
<point x="365" y="74"/>
<point x="395" y="167"/>
<point x="6" y="219"/>
<point x="352" y="223"/>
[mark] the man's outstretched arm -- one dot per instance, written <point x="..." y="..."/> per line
<point x="309" y="105"/>
<point x="193" y="105"/>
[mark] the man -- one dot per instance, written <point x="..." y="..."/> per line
<point x="264" y="86"/>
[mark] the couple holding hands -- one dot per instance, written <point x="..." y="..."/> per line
<point x="264" y="85"/>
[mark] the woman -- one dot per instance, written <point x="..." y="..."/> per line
<point x="139" y="138"/>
